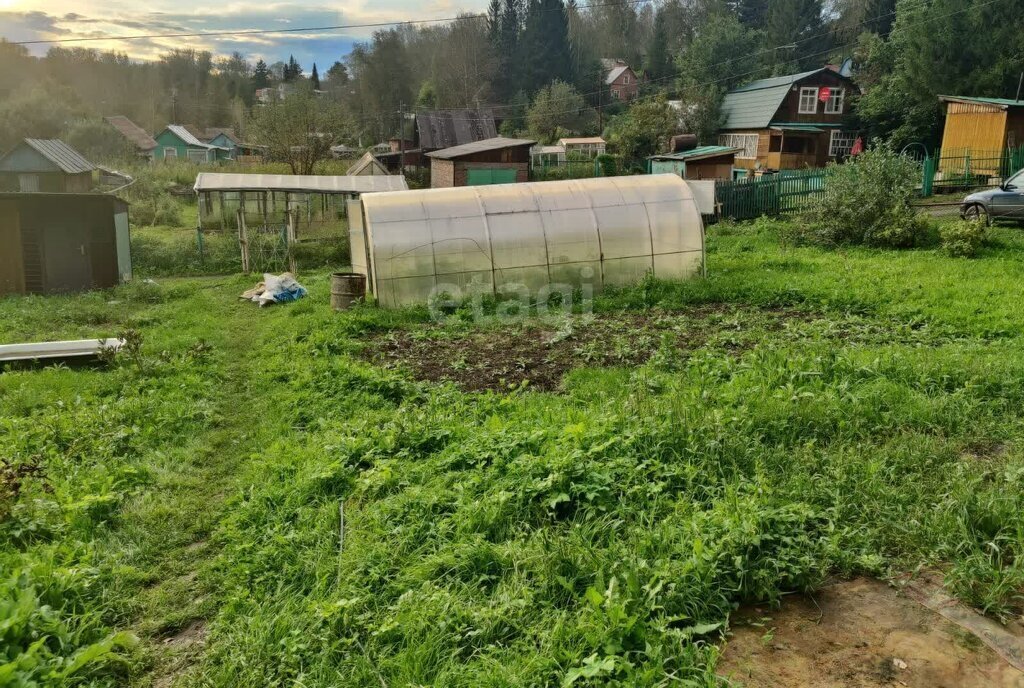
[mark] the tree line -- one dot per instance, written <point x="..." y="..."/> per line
<point x="538" y="63"/>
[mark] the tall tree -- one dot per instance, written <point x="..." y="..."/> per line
<point x="546" y="56"/>
<point x="557" y="110"/>
<point x="314" y="78"/>
<point x="298" y="129"/>
<point x="261" y="75"/>
<point x="796" y="23"/>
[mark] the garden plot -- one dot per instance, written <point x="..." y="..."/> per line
<point x="538" y="352"/>
<point x="861" y="634"/>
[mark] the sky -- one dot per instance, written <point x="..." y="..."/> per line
<point x="22" y="20"/>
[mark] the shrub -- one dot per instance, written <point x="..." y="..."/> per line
<point x="867" y="202"/>
<point x="963" y="239"/>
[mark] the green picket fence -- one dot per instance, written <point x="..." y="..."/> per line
<point x="784" y="192"/>
<point x="952" y="170"/>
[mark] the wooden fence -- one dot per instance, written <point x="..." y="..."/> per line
<point x="784" y="192"/>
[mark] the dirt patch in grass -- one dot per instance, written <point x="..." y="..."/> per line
<point x="538" y="352"/>
<point x="861" y="634"/>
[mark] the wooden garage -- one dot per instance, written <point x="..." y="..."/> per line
<point x="61" y="242"/>
<point x="498" y="160"/>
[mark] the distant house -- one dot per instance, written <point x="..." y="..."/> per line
<point x="45" y="165"/>
<point x="588" y="147"/>
<point x="448" y="128"/>
<point x="702" y="162"/>
<point x="789" y="122"/>
<point x="140" y="142"/>
<point x="177" y="141"/>
<point x="366" y="165"/>
<point x="223" y="137"/>
<point x="620" y="79"/>
<point x="981" y="128"/>
<point x="497" y="160"/>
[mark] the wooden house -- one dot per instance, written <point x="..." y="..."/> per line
<point x="62" y="242"/>
<point x="498" y="160"/>
<point x="176" y="141"/>
<point x="620" y="79"/>
<point x="140" y="142"/>
<point x="981" y="129"/>
<point x="45" y="165"/>
<point x="223" y="138"/>
<point x="789" y="122"/>
<point x="702" y="162"/>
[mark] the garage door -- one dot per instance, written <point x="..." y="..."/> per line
<point x="479" y="177"/>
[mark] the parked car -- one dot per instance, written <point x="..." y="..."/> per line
<point x="1004" y="202"/>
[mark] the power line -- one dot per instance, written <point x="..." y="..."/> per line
<point x="304" y="29"/>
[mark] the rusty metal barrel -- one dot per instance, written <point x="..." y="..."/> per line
<point x="347" y="288"/>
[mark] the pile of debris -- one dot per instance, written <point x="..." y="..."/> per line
<point x="281" y="288"/>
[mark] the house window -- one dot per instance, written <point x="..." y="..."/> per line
<point x="808" y="100"/>
<point x="746" y="142"/>
<point x="197" y="155"/>
<point x="625" y="78"/>
<point x="615" y="93"/>
<point x="28" y="182"/>
<point x="840" y="143"/>
<point x="170" y="152"/>
<point x="834" y="105"/>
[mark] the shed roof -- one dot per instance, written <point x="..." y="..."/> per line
<point x="367" y="161"/>
<point x="1001" y="103"/>
<point x="214" y="132"/>
<point x="697" y="153"/>
<point x="752" y="106"/>
<point x="132" y="131"/>
<point x="220" y="181"/>
<point x="454" y="127"/>
<point x="581" y="140"/>
<point x="187" y="137"/>
<point x="496" y="143"/>
<point x="56" y="152"/>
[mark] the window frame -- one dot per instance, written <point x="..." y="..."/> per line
<point x="840" y="101"/>
<point x="730" y="140"/>
<point x="851" y="136"/>
<point x="813" y="91"/>
<point x="171" y="150"/>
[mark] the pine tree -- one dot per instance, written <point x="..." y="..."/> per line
<point x="261" y="75"/>
<point x="314" y="78"/>
<point x="292" y="70"/>
<point x="546" y="56"/>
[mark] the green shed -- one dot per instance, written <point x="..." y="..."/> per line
<point x="176" y="141"/>
<point x="703" y="162"/>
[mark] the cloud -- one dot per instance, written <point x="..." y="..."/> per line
<point x="112" y="18"/>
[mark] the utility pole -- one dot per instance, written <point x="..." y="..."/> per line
<point x="174" y="105"/>
<point x="401" y="137"/>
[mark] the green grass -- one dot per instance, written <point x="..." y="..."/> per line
<point x="599" y="536"/>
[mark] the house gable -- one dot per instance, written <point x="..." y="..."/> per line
<point x="777" y="100"/>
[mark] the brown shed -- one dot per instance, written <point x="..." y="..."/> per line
<point x="62" y="242"/>
<point x="497" y="160"/>
<point x="45" y="165"/>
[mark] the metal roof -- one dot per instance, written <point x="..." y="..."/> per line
<point x="187" y="137"/>
<point x="615" y="74"/>
<point x="133" y="132"/>
<point x="454" y="127"/>
<point x="220" y="181"/>
<point x="581" y="140"/>
<point x="66" y="158"/>
<point x="797" y="127"/>
<point x="1001" y="103"/>
<point x="752" y="106"/>
<point x="697" y="153"/>
<point x="496" y="143"/>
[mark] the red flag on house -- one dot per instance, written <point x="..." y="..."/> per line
<point x="858" y="147"/>
<point x="824" y="94"/>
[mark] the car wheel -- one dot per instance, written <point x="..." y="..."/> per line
<point x="977" y="212"/>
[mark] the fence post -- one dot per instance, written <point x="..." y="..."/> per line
<point x="199" y="244"/>
<point x="927" y="177"/>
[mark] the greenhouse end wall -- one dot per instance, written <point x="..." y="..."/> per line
<point x="526" y="238"/>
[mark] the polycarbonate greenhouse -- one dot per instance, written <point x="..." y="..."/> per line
<point x="413" y="245"/>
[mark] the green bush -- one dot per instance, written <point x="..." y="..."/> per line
<point x="867" y="202"/>
<point x="963" y="239"/>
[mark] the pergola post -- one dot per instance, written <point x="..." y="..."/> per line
<point x="243" y="239"/>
